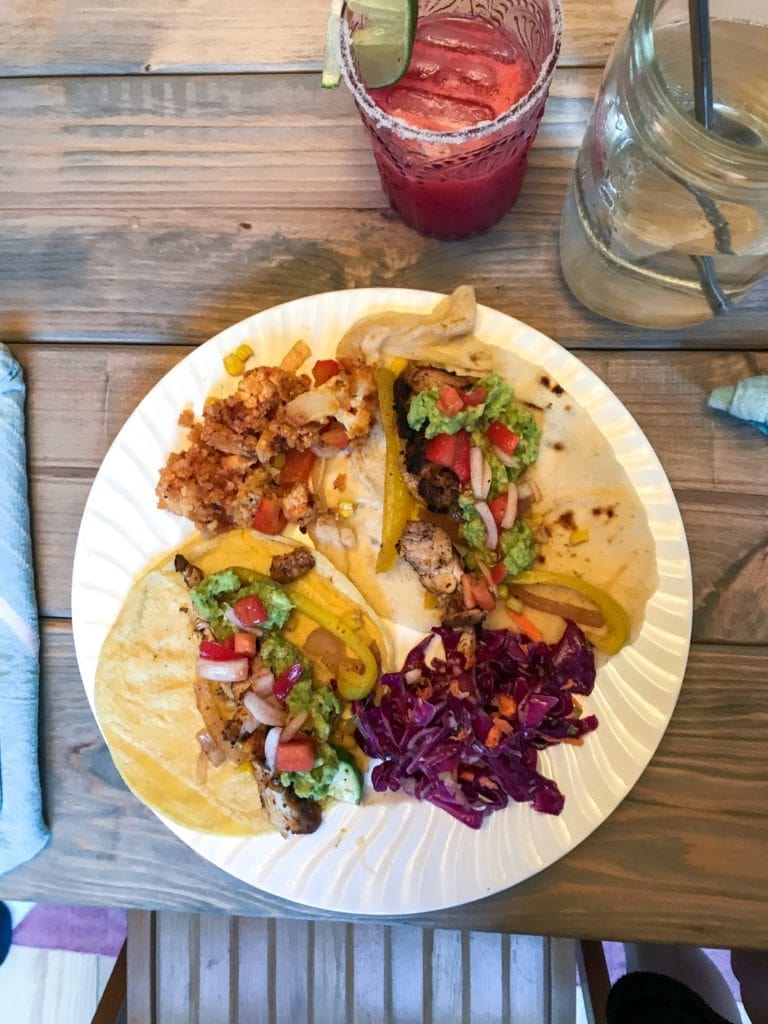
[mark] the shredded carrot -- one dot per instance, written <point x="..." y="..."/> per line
<point x="525" y="626"/>
<point x="507" y="705"/>
<point x="575" y="741"/>
<point x="569" y="684"/>
<point x="494" y="736"/>
<point x="503" y="725"/>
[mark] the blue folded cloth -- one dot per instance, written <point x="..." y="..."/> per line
<point x="748" y="400"/>
<point x="22" y="830"/>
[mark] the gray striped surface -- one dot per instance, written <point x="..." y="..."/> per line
<point x="210" y="969"/>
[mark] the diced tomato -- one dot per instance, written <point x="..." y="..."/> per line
<point x="324" y="369"/>
<point x="441" y="449"/>
<point x="504" y="438"/>
<point x="474" y="397"/>
<point x="268" y="517"/>
<point x="297" y="755"/>
<point x="334" y="435"/>
<point x="245" y="643"/>
<point x="483" y="595"/>
<point x="449" y="400"/>
<point x="451" y="450"/>
<point x="286" y="681"/>
<point x="498" y="507"/>
<point x="297" y="467"/>
<point x="461" y="459"/>
<point x="250" y="611"/>
<point x="212" y="650"/>
<point x="498" y="572"/>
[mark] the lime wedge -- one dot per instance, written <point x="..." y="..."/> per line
<point x="382" y="40"/>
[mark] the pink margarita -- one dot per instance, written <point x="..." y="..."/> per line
<point x="451" y="138"/>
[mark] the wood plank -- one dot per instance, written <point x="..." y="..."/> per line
<point x="187" y="204"/>
<point x="217" y="968"/>
<point x="361" y="976"/>
<point x="255" y="977"/>
<point x="665" y="845"/>
<point x="141" y="982"/>
<point x="67" y="37"/>
<point x="227" y="141"/>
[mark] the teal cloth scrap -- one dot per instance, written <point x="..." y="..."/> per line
<point x="747" y="400"/>
<point x="22" y="830"/>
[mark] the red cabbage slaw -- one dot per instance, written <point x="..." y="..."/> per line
<point x="464" y="732"/>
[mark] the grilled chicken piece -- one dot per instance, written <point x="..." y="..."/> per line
<point x="427" y="548"/>
<point x="191" y="574"/>
<point x="462" y="618"/>
<point x="438" y="488"/>
<point x="287" y="812"/>
<point x="289" y="567"/>
<point x="426" y="378"/>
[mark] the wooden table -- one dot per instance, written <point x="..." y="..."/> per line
<point x="169" y="168"/>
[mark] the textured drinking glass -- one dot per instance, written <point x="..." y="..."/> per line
<point x="453" y="182"/>
<point x="666" y="223"/>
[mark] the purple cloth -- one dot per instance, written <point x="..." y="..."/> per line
<point x="76" y="929"/>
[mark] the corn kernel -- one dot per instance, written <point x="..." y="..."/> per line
<point x="430" y="599"/>
<point x="398" y="365"/>
<point x="234" y="365"/>
<point x="578" y="537"/>
<point x="210" y="400"/>
<point x="503" y="591"/>
<point x="277" y="461"/>
<point x="514" y="604"/>
<point x="346" y="509"/>
<point x="244" y="352"/>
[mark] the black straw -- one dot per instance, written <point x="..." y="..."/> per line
<point x="701" y="51"/>
<point x="703" y="108"/>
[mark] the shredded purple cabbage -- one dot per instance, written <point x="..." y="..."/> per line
<point x="443" y="737"/>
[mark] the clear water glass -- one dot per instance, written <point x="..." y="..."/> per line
<point x="666" y="223"/>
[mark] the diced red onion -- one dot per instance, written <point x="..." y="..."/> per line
<point x="263" y="711"/>
<point x="510" y="512"/>
<point x="270" y="747"/>
<point x="234" y="671"/>
<point x="506" y="460"/>
<point x="467" y="592"/>
<point x="488" y="578"/>
<point x="210" y="748"/>
<point x="230" y="616"/>
<point x="262" y="684"/>
<point x="413" y="675"/>
<point x="476" y="471"/>
<point x="491" y="530"/>
<point x="248" y="726"/>
<point x="293" y="726"/>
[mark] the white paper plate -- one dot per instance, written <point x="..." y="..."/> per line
<point x="392" y="855"/>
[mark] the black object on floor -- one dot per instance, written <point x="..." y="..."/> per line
<point x="644" y="997"/>
<point x="5" y="931"/>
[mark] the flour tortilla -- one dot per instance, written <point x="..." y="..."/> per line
<point x="582" y="484"/>
<point x="145" y="701"/>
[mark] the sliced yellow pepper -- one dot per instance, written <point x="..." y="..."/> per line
<point x="352" y="685"/>
<point x="398" y="503"/>
<point x="616" y="619"/>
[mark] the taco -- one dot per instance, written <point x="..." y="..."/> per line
<point x="497" y="483"/>
<point x="223" y="688"/>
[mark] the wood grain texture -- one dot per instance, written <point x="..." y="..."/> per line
<point x="80" y="397"/>
<point x="65" y="37"/>
<point x="690" y="836"/>
<point x="472" y="988"/>
<point x="165" y="209"/>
